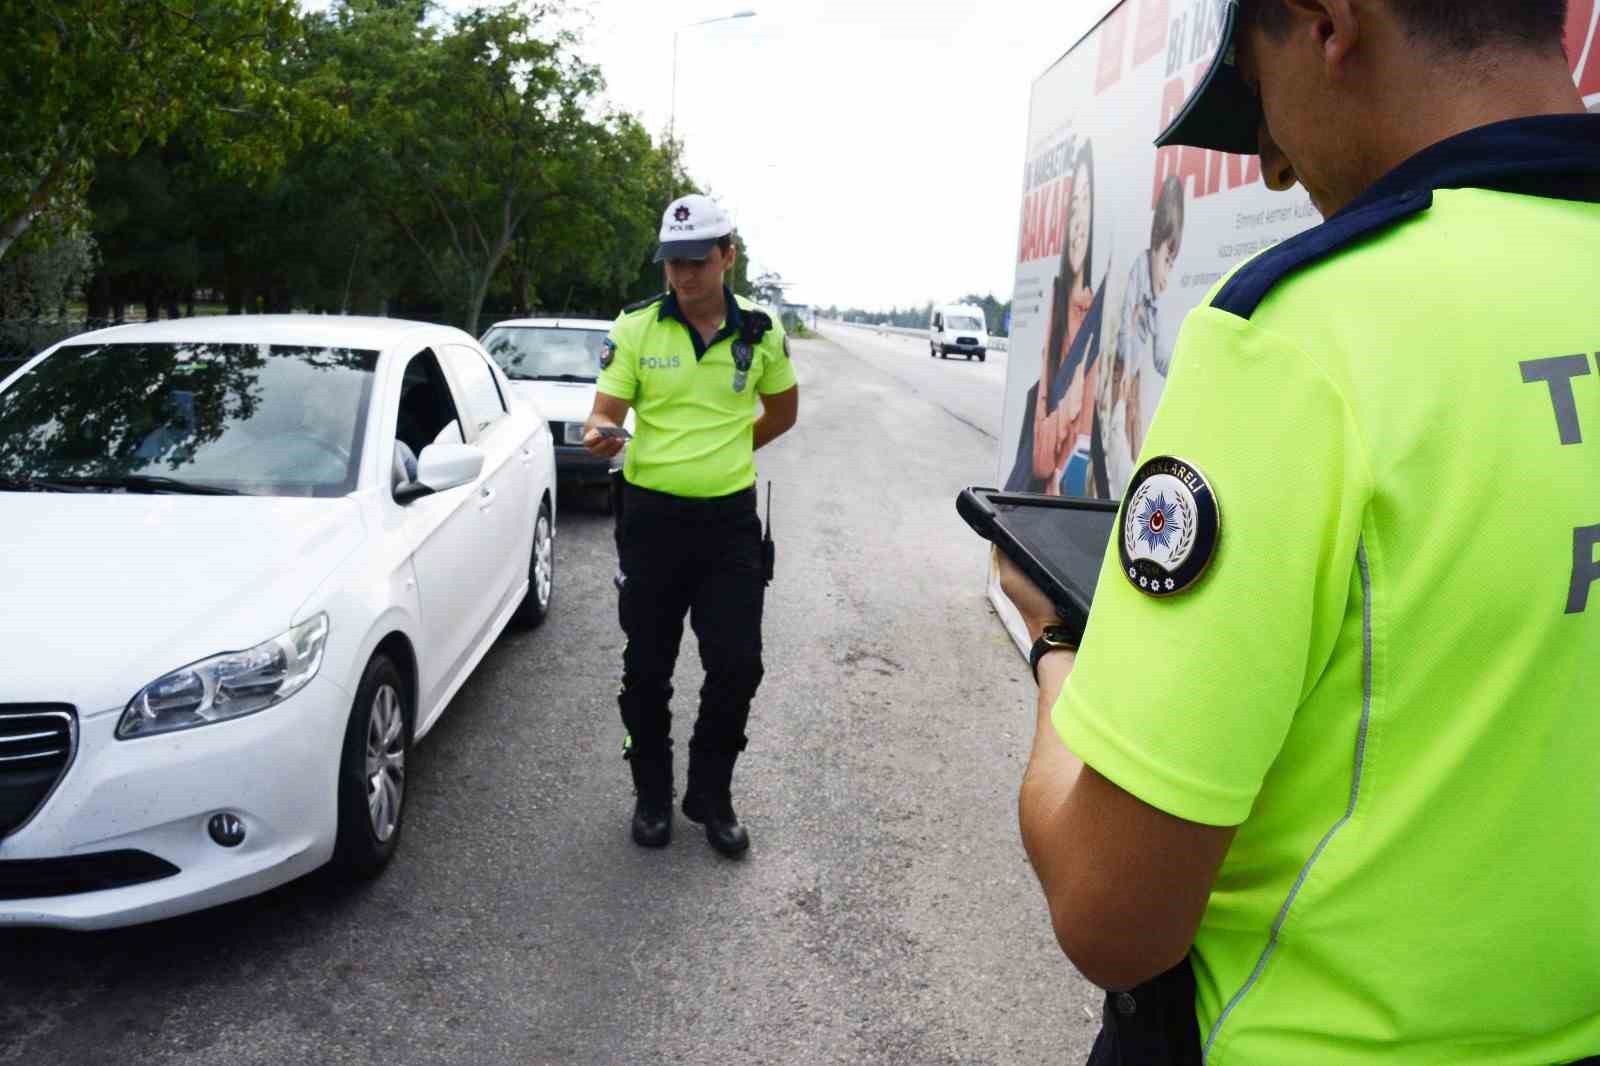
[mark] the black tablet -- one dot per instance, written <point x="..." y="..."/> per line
<point x="1060" y="542"/>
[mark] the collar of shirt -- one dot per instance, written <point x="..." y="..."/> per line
<point x="731" y="324"/>
<point x="1558" y="153"/>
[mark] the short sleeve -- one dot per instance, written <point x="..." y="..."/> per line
<point x="1185" y="702"/>
<point x="620" y="378"/>
<point x="777" y="372"/>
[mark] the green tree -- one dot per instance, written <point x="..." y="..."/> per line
<point x="481" y="132"/>
<point x="86" y="78"/>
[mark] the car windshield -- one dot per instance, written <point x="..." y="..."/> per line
<point x="546" y="353"/>
<point x="962" y="322"/>
<point x="256" y="419"/>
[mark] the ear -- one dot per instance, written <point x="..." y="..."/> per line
<point x="1331" y="27"/>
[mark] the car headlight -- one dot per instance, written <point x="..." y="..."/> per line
<point x="230" y="685"/>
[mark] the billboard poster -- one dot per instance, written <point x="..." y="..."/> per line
<point x="1118" y="241"/>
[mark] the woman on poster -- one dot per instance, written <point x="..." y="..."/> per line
<point x="1073" y="297"/>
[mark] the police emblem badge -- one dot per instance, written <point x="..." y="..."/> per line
<point x="1170" y="527"/>
<point x="743" y="356"/>
<point x="608" y="352"/>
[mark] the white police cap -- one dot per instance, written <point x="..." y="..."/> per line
<point x="690" y="226"/>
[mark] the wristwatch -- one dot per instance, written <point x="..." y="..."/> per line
<point x="1056" y="637"/>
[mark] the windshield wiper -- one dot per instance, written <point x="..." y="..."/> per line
<point x="579" y="378"/>
<point x="137" y="483"/>
<point x="30" y="484"/>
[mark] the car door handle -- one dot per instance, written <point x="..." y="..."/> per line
<point x="485" y="498"/>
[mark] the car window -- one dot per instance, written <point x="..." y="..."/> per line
<point x="546" y="353"/>
<point x="427" y="412"/>
<point x="259" y="419"/>
<point x="480" y="392"/>
<point x="964" y="322"/>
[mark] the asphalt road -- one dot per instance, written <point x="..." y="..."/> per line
<point x="886" y="913"/>
<point x="969" y="391"/>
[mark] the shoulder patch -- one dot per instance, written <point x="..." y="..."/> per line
<point x="1243" y="292"/>
<point x="1169" y="528"/>
<point x="642" y="304"/>
<point x="608" y="352"/>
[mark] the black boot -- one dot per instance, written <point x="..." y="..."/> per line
<point x="652" y="811"/>
<point x="709" y="800"/>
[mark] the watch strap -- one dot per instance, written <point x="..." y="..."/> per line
<point x="1054" y="638"/>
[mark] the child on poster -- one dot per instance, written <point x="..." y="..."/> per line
<point x="1138" y="368"/>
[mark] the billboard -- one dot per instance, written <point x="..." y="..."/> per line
<point x="1118" y="241"/>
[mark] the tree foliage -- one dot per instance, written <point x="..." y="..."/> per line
<point x="84" y="79"/>
<point x="388" y="157"/>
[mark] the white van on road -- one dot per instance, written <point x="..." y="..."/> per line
<point x="958" y="329"/>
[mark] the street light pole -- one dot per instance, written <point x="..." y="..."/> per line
<point x="672" y="115"/>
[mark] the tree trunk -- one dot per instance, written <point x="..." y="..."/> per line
<point x="14" y="227"/>
<point x="97" y="297"/>
<point x="152" y="307"/>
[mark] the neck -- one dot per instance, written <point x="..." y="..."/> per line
<point x="708" y="310"/>
<point x="1461" y="94"/>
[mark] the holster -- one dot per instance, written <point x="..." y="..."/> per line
<point x="1152" y="1025"/>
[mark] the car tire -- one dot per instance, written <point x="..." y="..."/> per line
<point x="372" y="773"/>
<point x="983" y="357"/>
<point x="535" y="605"/>
<point x="933" y="353"/>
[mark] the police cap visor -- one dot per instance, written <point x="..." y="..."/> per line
<point x="685" y="250"/>
<point x="1224" y="113"/>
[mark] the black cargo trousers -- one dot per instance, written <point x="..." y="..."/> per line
<point x="701" y="558"/>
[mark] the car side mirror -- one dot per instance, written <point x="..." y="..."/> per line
<point x="442" y="467"/>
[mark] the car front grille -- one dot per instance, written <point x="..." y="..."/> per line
<point x="37" y="742"/>
<point x="966" y="340"/>
<point x="69" y="876"/>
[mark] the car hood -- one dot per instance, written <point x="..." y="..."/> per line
<point x="558" y="401"/>
<point x="106" y="592"/>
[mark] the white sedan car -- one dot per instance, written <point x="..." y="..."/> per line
<point x="246" y="563"/>
<point x="554" y="363"/>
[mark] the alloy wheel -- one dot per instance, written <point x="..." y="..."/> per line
<point x="543" y="560"/>
<point x="386" y="762"/>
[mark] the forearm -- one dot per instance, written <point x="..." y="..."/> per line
<point x="769" y="428"/>
<point x="1051" y="774"/>
<point x="779" y="412"/>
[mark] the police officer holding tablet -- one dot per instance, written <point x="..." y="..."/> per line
<point x="691" y="363"/>
<point x="1323" y="783"/>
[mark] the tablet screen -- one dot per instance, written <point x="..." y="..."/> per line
<point x="1069" y="542"/>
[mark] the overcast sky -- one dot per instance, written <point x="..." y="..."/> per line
<point x="871" y="150"/>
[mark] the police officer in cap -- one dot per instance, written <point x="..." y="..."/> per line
<point x="691" y="363"/>
<point x="1323" y="785"/>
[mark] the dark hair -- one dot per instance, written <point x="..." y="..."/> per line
<point x="725" y="242"/>
<point x="1083" y="158"/>
<point x="1167" y="225"/>
<point x="1455" y="25"/>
